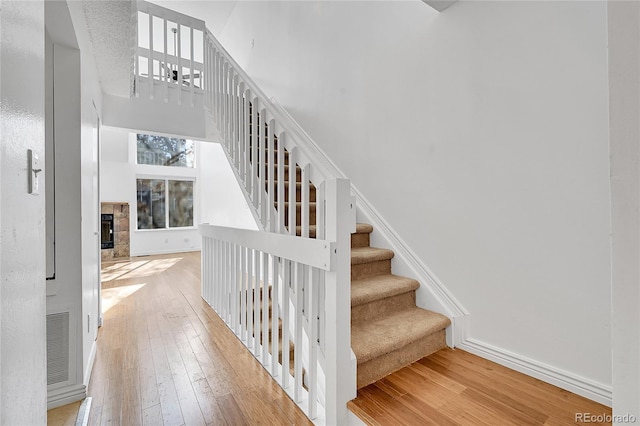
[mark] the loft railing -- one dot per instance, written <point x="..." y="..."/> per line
<point x="169" y="55"/>
<point x="290" y="282"/>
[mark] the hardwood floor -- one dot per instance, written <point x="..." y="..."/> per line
<point x="454" y="387"/>
<point x="164" y="357"/>
<point x="63" y="416"/>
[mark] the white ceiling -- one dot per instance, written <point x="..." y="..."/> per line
<point x="112" y="37"/>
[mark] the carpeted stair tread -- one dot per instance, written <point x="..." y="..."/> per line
<point x="363" y="228"/>
<point x="379" y="287"/>
<point x="371" y="339"/>
<point x="360" y="255"/>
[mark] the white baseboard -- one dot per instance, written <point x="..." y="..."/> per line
<point x="83" y="413"/>
<point x="151" y="253"/>
<point x="355" y="420"/>
<point x="90" y="361"/>
<point x="563" y="379"/>
<point x="66" y="395"/>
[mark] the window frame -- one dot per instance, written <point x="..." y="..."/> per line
<point x="166" y="180"/>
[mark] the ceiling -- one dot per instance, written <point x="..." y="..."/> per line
<point x="112" y="36"/>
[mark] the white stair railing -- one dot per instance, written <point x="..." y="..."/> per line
<point x="300" y="261"/>
<point x="257" y="135"/>
<point x="249" y="277"/>
<point x="169" y="55"/>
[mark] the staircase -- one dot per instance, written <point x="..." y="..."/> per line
<point x="388" y="330"/>
<point x="300" y="257"/>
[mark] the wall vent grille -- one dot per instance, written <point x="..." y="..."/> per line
<point x="57" y="348"/>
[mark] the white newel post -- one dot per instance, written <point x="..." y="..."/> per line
<point x="340" y="371"/>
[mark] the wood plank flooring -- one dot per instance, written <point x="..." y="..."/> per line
<point x="164" y="357"/>
<point x="454" y="387"/>
<point x="63" y="416"/>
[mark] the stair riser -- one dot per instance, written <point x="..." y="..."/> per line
<point x="265" y="167"/>
<point x="360" y="240"/>
<point x="380" y="308"/>
<point x="298" y="174"/>
<point x="312" y="215"/>
<point x="270" y="332"/>
<point x="372" y="269"/>
<point x="312" y="193"/>
<point x="312" y="233"/>
<point x="265" y="157"/>
<point x="377" y="368"/>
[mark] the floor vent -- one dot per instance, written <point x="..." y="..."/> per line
<point x="57" y="348"/>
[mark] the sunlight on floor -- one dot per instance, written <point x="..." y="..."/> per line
<point x="63" y="416"/>
<point x="113" y="296"/>
<point x="137" y="268"/>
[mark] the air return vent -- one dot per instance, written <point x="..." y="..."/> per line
<point x="57" y="348"/>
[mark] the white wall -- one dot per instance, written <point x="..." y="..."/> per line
<point x="90" y="208"/>
<point x="76" y="284"/>
<point x="480" y="134"/>
<point x="624" y="68"/>
<point x="22" y="216"/>
<point x="218" y="199"/>
<point x="155" y="116"/>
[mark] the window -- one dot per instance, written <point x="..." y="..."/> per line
<point x="165" y="151"/>
<point x="163" y="202"/>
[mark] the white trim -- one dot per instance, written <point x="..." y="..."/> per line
<point x="166" y="179"/>
<point x="66" y="395"/>
<point x="243" y="188"/>
<point x="90" y="361"/>
<point x="82" y="419"/>
<point x="169" y="251"/>
<point x="174" y="228"/>
<point x="564" y="379"/>
<point x="435" y="296"/>
<point x="308" y="251"/>
<point x="354" y="420"/>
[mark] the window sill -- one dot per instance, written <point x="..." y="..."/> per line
<point x="183" y="228"/>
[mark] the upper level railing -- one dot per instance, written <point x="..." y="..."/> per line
<point x="252" y="279"/>
<point x="169" y="55"/>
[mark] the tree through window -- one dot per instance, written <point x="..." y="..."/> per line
<point x="162" y="202"/>
<point x="165" y="151"/>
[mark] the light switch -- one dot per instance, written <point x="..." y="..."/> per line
<point x="34" y="169"/>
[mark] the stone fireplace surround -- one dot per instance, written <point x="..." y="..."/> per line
<point x="120" y="248"/>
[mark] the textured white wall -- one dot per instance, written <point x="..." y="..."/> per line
<point x="218" y="198"/>
<point x="480" y="134"/>
<point x="22" y="228"/>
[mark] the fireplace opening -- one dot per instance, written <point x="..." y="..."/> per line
<point x="107" y="231"/>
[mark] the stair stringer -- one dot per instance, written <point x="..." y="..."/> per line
<point x="247" y="197"/>
<point x="432" y="293"/>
